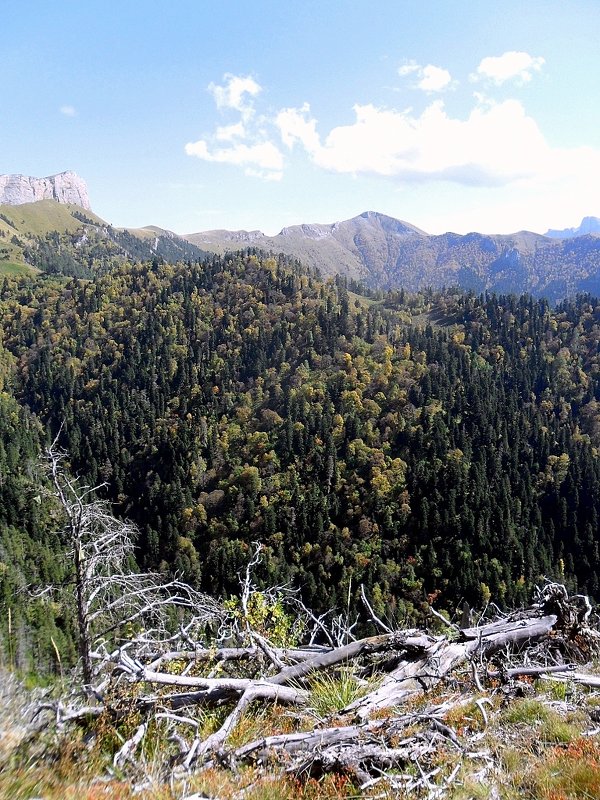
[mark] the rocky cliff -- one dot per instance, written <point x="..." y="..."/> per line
<point x="66" y="187"/>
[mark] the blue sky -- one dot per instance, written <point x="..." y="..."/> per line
<point x="197" y="114"/>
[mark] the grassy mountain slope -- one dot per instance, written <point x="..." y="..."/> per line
<point x="66" y="239"/>
<point x="38" y="219"/>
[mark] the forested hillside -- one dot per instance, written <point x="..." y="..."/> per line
<point x="431" y="446"/>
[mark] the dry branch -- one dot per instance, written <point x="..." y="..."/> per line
<point x="367" y="745"/>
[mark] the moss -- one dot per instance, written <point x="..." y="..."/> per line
<point x="525" y="712"/>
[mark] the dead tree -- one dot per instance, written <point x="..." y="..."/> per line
<point x="107" y="595"/>
<point x="173" y="680"/>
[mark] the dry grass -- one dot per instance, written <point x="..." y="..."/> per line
<point x="255" y="785"/>
<point x="559" y="772"/>
<point x="536" y="746"/>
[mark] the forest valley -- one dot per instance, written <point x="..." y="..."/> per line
<point x="434" y="448"/>
<point x="303" y="466"/>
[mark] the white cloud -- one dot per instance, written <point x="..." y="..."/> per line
<point x="296" y="125"/>
<point x="428" y="78"/>
<point x="68" y="111"/>
<point x="408" y="68"/>
<point x="228" y="133"/>
<point x="512" y="65"/>
<point x="495" y="144"/>
<point x="264" y="175"/>
<point x="495" y="148"/>
<point x="243" y="143"/>
<point x="236" y="93"/>
<point x="262" y="160"/>
<point x="434" y="79"/>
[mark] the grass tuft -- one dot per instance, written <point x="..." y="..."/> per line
<point x="525" y="712"/>
<point x="332" y="693"/>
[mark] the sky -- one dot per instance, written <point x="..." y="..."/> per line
<point x="202" y="114"/>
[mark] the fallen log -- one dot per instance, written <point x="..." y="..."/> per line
<point x="291" y="743"/>
<point x="222" y="654"/>
<point x="372" y="736"/>
<point x="373" y="644"/>
<point x="413" y="677"/>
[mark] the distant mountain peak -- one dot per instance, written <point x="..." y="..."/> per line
<point x="589" y="225"/>
<point x="390" y="224"/>
<point x="65" y="187"/>
<point x="309" y="231"/>
<point x="374" y="218"/>
<point x="384" y="252"/>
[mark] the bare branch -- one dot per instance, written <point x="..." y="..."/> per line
<point x="107" y="596"/>
<point x="372" y="614"/>
<point x="128" y="749"/>
<point x="443" y="619"/>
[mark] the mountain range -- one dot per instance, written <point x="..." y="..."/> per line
<point x="377" y="250"/>
<point x="387" y="253"/>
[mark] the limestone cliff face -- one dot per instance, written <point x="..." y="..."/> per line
<point x="66" y="187"/>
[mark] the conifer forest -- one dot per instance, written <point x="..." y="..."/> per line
<point x="438" y="447"/>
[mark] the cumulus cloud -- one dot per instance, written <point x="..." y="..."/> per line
<point x="236" y="92"/>
<point x="510" y="66"/>
<point x="68" y="111"/>
<point x="296" y="125"/>
<point x="242" y="143"/>
<point x="227" y="133"/>
<point x="264" y="155"/>
<point x="428" y="78"/>
<point x="434" y="79"/>
<point x="495" y="144"/>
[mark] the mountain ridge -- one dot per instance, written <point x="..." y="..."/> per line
<point x="67" y="239"/>
<point x="588" y="225"/>
<point x="386" y="253"/>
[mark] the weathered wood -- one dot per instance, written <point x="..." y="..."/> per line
<point x="231" y="686"/>
<point x="252" y="693"/>
<point x="585" y="679"/>
<point x="367" y="745"/>
<point x="359" y="759"/>
<point x="231" y="654"/>
<point x="130" y="746"/>
<point x="411" y="677"/>
<point x="516" y="634"/>
<point x="414" y="676"/>
<point x="372" y="644"/>
<point x="515" y="672"/>
<point x="292" y="743"/>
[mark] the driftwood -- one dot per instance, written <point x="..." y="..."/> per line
<point x="378" y="732"/>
